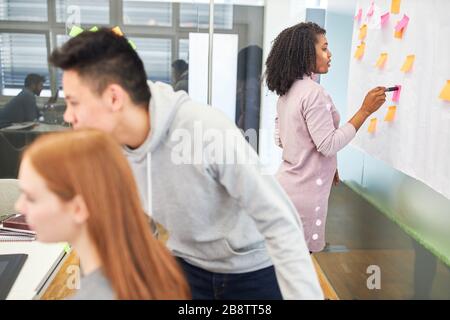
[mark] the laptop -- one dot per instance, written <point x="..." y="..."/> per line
<point x="10" y="266"/>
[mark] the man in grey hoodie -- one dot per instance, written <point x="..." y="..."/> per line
<point x="233" y="229"/>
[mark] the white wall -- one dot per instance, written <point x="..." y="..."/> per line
<point x="421" y="211"/>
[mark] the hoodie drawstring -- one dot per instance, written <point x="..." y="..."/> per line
<point x="149" y="185"/>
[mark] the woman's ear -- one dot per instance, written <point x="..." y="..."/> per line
<point x="79" y="210"/>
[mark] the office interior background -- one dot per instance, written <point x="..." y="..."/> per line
<point x="165" y="31"/>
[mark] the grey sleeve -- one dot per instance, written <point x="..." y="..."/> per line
<point x="261" y="197"/>
<point x="326" y="137"/>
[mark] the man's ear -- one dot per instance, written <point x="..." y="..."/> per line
<point x="115" y="97"/>
<point x="79" y="210"/>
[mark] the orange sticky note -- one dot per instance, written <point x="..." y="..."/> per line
<point x="382" y="60"/>
<point x="408" y="63"/>
<point x="117" y="31"/>
<point x="362" y="32"/>
<point x="360" y="50"/>
<point x="395" y="6"/>
<point x="398" y="34"/>
<point x="372" y="125"/>
<point x="391" y="114"/>
<point x="445" y="93"/>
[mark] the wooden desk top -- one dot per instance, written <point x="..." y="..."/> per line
<point x="58" y="289"/>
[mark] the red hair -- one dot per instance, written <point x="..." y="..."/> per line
<point x="91" y="164"/>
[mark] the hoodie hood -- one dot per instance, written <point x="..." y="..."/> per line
<point x="163" y="106"/>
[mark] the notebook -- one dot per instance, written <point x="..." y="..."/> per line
<point x="17" y="223"/>
<point x="15" y="228"/>
<point x="8" y="236"/>
<point x="10" y="266"/>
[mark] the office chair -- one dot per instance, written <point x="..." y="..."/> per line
<point x="9" y="193"/>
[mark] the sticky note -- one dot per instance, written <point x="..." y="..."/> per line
<point x="390" y="115"/>
<point x="132" y="44"/>
<point x="93" y="29"/>
<point x="408" y="63"/>
<point x="67" y="248"/>
<point x="385" y="19"/>
<point x="402" y="23"/>
<point x="117" y="31"/>
<point x="398" y="34"/>
<point x="360" y="50"/>
<point x="362" y="32"/>
<point x="395" y="6"/>
<point x="396" y="95"/>
<point x="382" y="60"/>
<point x="371" y="9"/>
<point x="372" y="125"/>
<point x="76" y="30"/>
<point x="445" y="93"/>
<point x="358" y="15"/>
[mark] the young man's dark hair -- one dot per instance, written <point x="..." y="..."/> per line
<point x="33" y="79"/>
<point x="102" y="58"/>
<point x="293" y="55"/>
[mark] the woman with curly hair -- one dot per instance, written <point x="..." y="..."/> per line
<point x="307" y="123"/>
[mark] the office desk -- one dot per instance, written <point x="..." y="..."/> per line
<point x="43" y="262"/>
<point x="13" y="142"/>
<point x="59" y="288"/>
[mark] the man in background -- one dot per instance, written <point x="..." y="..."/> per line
<point x="23" y="107"/>
<point x="180" y="75"/>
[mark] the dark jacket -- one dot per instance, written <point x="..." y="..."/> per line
<point x="21" y="108"/>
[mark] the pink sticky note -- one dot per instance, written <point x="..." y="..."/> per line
<point x="385" y="18"/>
<point x="371" y="9"/>
<point x="396" y="95"/>
<point x="358" y="15"/>
<point x="402" y="23"/>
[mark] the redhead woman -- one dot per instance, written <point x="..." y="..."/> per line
<point x="77" y="187"/>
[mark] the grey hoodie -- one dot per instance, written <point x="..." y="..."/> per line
<point x="222" y="217"/>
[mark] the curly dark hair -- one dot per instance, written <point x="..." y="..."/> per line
<point x="293" y="55"/>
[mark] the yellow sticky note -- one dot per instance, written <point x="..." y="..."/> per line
<point x="408" y="63"/>
<point x="67" y="248"/>
<point x="132" y="44"/>
<point x="93" y="29"/>
<point x="360" y="50"/>
<point x="372" y="125"/>
<point x="362" y="32"/>
<point x="117" y="31"/>
<point x="76" y="30"/>
<point x="382" y="60"/>
<point x="445" y="93"/>
<point x="390" y="114"/>
<point x="395" y="6"/>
